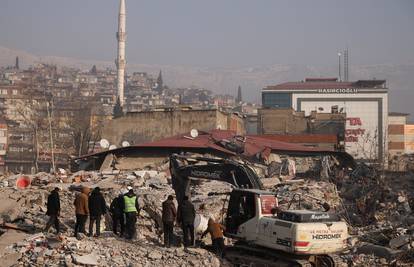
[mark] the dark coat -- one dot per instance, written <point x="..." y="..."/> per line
<point x="169" y="213"/>
<point x="116" y="207"/>
<point x="97" y="205"/>
<point x="53" y="203"/>
<point x="186" y="212"/>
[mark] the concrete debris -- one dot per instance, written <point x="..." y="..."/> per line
<point x="89" y="259"/>
<point x="377" y="207"/>
<point x="399" y="241"/>
<point x="379" y="251"/>
<point x="108" y="162"/>
<point x="10" y="260"/>
<point x="402" y="163"/>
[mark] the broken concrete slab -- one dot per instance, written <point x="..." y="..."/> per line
<point x="10" y="237"/>
<point x="89" y="259"/>
<point x="270" y="182"/>
<point x="107" y="163"/>
<point x="10" y="259"/>
<point x="13" y="227"/>
<point x="143" y="173"/>
<point x="399" y="241"/>
<point x="379" y="251"/>
<point x="154" y="255"/>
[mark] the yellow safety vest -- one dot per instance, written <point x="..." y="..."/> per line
<point x="130" y="204"/>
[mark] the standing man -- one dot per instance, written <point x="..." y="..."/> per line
<point x="216" y="234"/>
<point x="117" y="213"/>
<point x="81" y="210"/>
<point x="131" y="208"/>
<point x="186" y="216"/>
<point x="97" y="208"/>
<point x="53" y="210"/>
<point x="169" y="214"/>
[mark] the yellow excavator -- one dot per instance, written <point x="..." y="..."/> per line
<point x="265" y="235"/>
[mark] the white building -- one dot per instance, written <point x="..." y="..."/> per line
<point x="365" y="103"/>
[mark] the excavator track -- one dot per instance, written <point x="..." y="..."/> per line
<point x="253" y="256"/>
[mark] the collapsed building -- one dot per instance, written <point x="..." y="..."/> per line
<point x="219" y="143"/>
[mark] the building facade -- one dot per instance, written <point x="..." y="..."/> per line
<point x="145" y="126"/>
<point x="365" y="103"/>
<point x="3" y="144"/>
<point x="409" y="138"/>
<point x="396" y="133"/>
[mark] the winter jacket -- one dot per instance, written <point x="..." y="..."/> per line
<point x="53" y="203"/>
<point x="186" y="212"/>
<point x="116" y="207"/>
<point x="215" y="230"/>
<point x="97" y="205"/>
<point x="81" y="202"/>
<point x="169" y="213"/>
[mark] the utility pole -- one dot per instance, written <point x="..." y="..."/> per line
<point x="51" y="135"/>
<point x="346" y="65"/>
<point x="339" y="61"/>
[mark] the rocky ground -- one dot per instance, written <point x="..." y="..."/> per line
<point x="377" y="207"/>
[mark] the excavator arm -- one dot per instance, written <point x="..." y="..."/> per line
<point x="183" y="168"/>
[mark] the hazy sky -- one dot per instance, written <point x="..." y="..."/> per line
<point x="215" y="32"/>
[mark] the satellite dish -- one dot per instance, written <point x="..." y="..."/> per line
<point x="125" y="144"/>
<point x="112" y="147"/>
<point x="194" y="133"/>
<point x="104" y="143"/>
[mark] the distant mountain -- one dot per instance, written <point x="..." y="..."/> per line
<point x="252" y="79"/>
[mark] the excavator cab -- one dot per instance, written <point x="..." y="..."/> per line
<point x="248" y="204"/>
<point x="241" y="208"/>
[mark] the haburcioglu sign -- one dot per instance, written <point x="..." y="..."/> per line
<point x="338" y="91"/>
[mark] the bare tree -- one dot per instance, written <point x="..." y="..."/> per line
<point x="80" y="127"/>
<point x="30" y="113"/>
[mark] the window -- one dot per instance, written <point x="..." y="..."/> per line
<point x="277" y="100"/>
<point x="4" y="91"/>
<point x="241" y="208"/>
<point x="16" y="149"/>
<point x="267" y="204"/>
<point x="14" y="92"/>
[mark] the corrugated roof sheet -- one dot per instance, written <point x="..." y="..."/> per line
<point x="210" y="140"/>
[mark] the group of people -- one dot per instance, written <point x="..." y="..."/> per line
<point x="185" y="217"/>
<point x="124" y="210"/>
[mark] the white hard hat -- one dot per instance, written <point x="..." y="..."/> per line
<point x="123" y="191"/>
<point x="129" y="188"/>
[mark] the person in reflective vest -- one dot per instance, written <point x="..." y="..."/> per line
<point x="131" y="210"/>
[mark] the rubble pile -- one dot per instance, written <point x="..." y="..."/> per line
<point x="41" y="250"/>
<point x="402" y="163"/>
<point x="307" y="194"/>
<point x="377" y="206"/>
<point x="26" y="214"/>
<point x="379" y="209"/>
